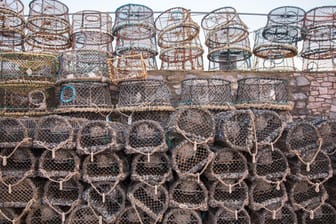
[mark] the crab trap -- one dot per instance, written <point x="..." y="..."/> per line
<point x="325" y="213"/>
<point x="327" y="130"/>
<point x="13" y="134"/>
<point x="285" y="215"/>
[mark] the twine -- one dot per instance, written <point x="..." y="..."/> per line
<point x="61" y="145"/>
<point x="17" y="219"/>
<point x="25" y="140"/>
<point x="10" y="186"/>
<point x="60" y="180"/>
<point x="103" y="195"/>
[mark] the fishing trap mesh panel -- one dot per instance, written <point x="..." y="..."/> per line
<point x="154" y="205"/>
<point x="268" y="196"/>
<point x="235" y="129"/>
<point x="191" y="160"/>
<point x="271" y="165"/>
<point x="43" y="214"/>
<point x="11" y="216"/>
<point x="327" y="130"/>
<point x="28" y="66"/>
<point x="135" y="95"/>
<point x="29" y="123"/>
<point x="146" y="137"/>
<point x="285" y="215"/>
<point x="263" y="93"/>
<point x="194" y="124"/>
<point x="188" y="193"/>
<point x="131" y="215"/>
<point x="13" y="134"/>
<point x="226" y="216"/>
<point x="84" y="214"/>
<point x="323" y="214"/>
<point x="227" y="165"/>
<point x="97" y="136"/>
<point x="153" y="170"/>
<point x="107" y="204"/>
<point x="53" y="132"/>
<point x="233" y="198"/>
<point x="210" y="93"/>
<point x="184" y="216"/>
<point x="104" y="167"/>
<point x="161" y="116"/>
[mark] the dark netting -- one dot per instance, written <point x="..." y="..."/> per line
<point x="285" y="216"/>
<point x="233" y="198"/>
<point x="131" y="215"/>
<point x="191" y="160"/>
<point x="29" y="123"/>
<point x="109" y="203"/>
<point x="271" y="165"/>
<point x="153" y="170"/>
<point x="53" y="132"/>
<point x="59" y="166"/>
<point x="318" y="53"/>
<point x="185" y="216"/>
<point x="211" y="93"/>
<point x="188" y="193"/>
<point x="161" y="116"/>
<point x="85" y="113"/>
<point x="225" y="216"/>
<point x="195" y="124"/>
<point x="327" y="130"/>
<point x="84" y="214"/>
<point x="43" y="214"/>
<point x="10" y="215"/>
<point x="235" y="129"/>
<point x="13" y="133"/>
<point x="268" y="196"/>
<point x="268" y="126"/>
<point x="151" y="200"/>
<point x="97" y="136"/>
<point x="270" y="93"/>
<point x="146" y="137"/>
<point x="324" y="213"/>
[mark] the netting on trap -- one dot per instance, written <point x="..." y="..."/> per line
<point x="284" y="24"/>
<point x="134" y="216"/>
<point x="40" y="42"/>
<point x="285" y="215"/>
<point x="327" y="130"/>
<point x="185" y="216"/>
<point x="146" y="47"/>
<point x="190" y="160"/>
<point x="43" y="214"/>
<point x="10" y="215"/>
<point x="13" y="134"/>
<point x="92" y="30"/>
<point x="84" y="214"/>
<point x="28" y="65"/>
<point x="161" y="116"/>
<point x="138" y="95"/>
<point x="153" y="170"/>
<point x="97" y="136"/>
<point x="109" y="203"/>
<point x="54" y="132"/>
<point x="271" y="165"/>
<point x="312" y="65"/>
<point x="151" y="200"/>
<point x="263" y="93"/>
<point x="228" y="65"/>
<point x="235" y="129"/>
<point x="268" y="196"/>
<point x="324" y="214"/>
<point x="188" y="193"/>
<point x="226" y="216"/>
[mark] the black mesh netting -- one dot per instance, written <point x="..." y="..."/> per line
<point x="327" y="129"/>
<point x="11" y="215"/>
<point x="43" y="214"/>
<point x="83" y="214"/>
<point x="13" y="133"/>
<point x="159" y="116"/>
<point x="225" y="216"/>
<point x="184" y="216"/>
<point x="284" y="216"/>
<point x="131" y="215"/>
<point x="325" y="213"/>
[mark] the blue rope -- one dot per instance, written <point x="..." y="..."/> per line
<point x="73" y="91"/>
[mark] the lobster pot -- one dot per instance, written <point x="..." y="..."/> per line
<point x="107" y="204"/>
<point x="83" y="214"/>
<point x="84" y="65"/>
<point x="84" y="94"/>
<point x="179" y="215"/>
<point x="226" y="216"/>
<point x="43" y="214"/>
<point x="59" y="165"/>
<point x="138" y="95"/>
<point x="327" y="130"/>
<point x="286" y="20"/>
<point x="271" y="165"/>
<point x="195" y="124"/>
<point x="131" y="215"/>
<point x="263" y="93"/>
<point x="188" y="193"/>
<point x="146" y="137"/>
<point x="233" y="197"/>
<point x="229" y="65"/>
<point x="227" y="165"/>
<point x="151" y="200"/>
<point x="210" y="93"/>
<point x="306" y="196"/>
<point x="97" y="136"/>
<point x="269" y="196"/>
<point x="26" y="97"/>
<point x="268" y="126"/>
<point x="104" y="167"/>
<point x="154" y="170"/>
<point x="191" y="160"/>
<point x="13" y="133"/>
<point x="28" y="66"/>
<point x="92" y="30"/>
<point x="285" y="215"/>
<point x="15" y="194"/>
<point x="324" y="214"/>
<point x="10" y="216"/>
<point x="318" y="50"/>
<point x="235" y="129"/>
<point x="161" y="116"/>
<point x="54" y="132"/>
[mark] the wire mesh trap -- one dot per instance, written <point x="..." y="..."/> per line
<point x="191" y="160"/>
<point x="146" y="137"/>
<point x="285" y="215"/>
<point x="315" y="51"/>
<point x="209" y="93"/>
<point x="226" y="216"/>
<point x="134" y="216"/>
<point x="43" y="214"/>
<point x="161" y="116"/>
<point x="154" y="170"/>
<point x="84" y="214"/>
<point x="107" y="204"/>
<point x="235" y="129"/>
<point x="154" y="205"/>
<point x="13" y="134"/>
<point x="323" y="214"/>
<point x="184" y="216"/>
<point x="327" y="130"/>
<point x="188" y="193"/>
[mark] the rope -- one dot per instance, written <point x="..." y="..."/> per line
<point x="10" y="186"/>
<point x="25" y="140"/>
<point x="61" y="145"/>
<point x="60" y="180"/>
<point x="17" y="219"/>
<point x="103" y="195"/>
